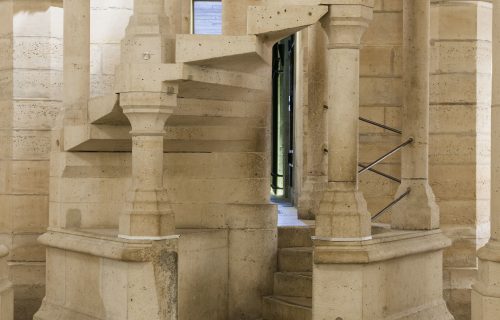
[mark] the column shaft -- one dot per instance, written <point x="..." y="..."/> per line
<point x="76" y="60"/>
<point x="147" y="104"/>
<point x="343" y="113"/>
<point x="485" y="298"/>
<point x="495" y="127"/>
<point x="418" y="210"/>
<point x="147" y="162"/>
<point x="416" y="15"/>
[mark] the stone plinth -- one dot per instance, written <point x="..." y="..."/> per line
<point x="396" y="275"/>
<point x="486" y="291"/>
<point x="93" y="275"/>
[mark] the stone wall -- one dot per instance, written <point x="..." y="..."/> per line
<point x="108" y="21"/>
<point x="31" y="100"/>
<point x="31" y="60"/>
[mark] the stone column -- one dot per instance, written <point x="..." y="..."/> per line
<point x="486" y="290"/>
<point x="147" y="103"/>
<point x="343" y="212"/>
<point x="418" y="211"/>
<point x="314" y="165"/>
<point x="76" y="60"/>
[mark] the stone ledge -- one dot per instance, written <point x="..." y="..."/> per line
<point x="384" y="246"/>
<point x="101" y="243"/>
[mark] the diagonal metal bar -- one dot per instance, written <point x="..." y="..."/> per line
<point x="385" y="156"/>
<point x="383" y="174"/>
<point x="381" y="212"/>
<point x="380" y="125"/>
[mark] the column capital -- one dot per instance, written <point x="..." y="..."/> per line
<point x="346" y="22"/>
<point x="148" y="111"/>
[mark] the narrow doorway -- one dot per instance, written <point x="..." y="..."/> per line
<point x="283" y="120"/>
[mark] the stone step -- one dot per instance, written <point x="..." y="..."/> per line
<point x="177" y="138"/>
<point x="289" y="237"/>
<point x="282" y="19"/>
<point x="297" y="259"/>
<point x="293" y="284"/>
<point x="287" y="308"/>
<point x="242" y="53"/>
<point x="207" y="112"/>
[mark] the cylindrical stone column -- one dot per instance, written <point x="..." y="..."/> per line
<point x="343" y="214"/>
<point x="418" y="211"/>
<point x="495" y="127"/>
<point x="76" y="72"/>
<point x="486" y="290"/>
<point x="149" y="214"/>
<point x="147" y="104"/>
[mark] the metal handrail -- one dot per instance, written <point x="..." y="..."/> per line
<point x="385" y="156"/>
<point x="369" y="167"/>
<point x="383" y="174"/>
<point x="407" y="192"/>
<point x="380" y="125"/>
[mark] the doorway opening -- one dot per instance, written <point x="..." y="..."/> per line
<point x="283" y="77"/>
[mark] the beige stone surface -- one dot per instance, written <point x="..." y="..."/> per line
<point x="370" y="280"/>
<point x="214" y="174"/>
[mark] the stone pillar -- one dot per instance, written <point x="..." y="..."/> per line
<point x="486" y="290"/>
<point x="343" y="212"/>
<point x="76" y="60"/>
<point x="418" y="211"/>
<point x="147" y="103"/>
<point x="314" y="165"/>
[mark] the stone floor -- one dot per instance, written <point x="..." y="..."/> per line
<point x="287" y="217"/>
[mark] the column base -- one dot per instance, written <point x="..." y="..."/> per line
<point x="92" y="275"/>
<point x="418" y="210"/>
<point x="486" y="291"/>
<point x="343" y="213"/>
<point x="310" y="197"/>
<point x="397" y="275"/>
<point x="147" y="225"/>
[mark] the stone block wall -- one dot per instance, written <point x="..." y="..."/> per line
<point x="380" y="100"/>
<point x="31" y="54"/>
<point x="108" y="21"/>
<point x="31" y="78"/>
